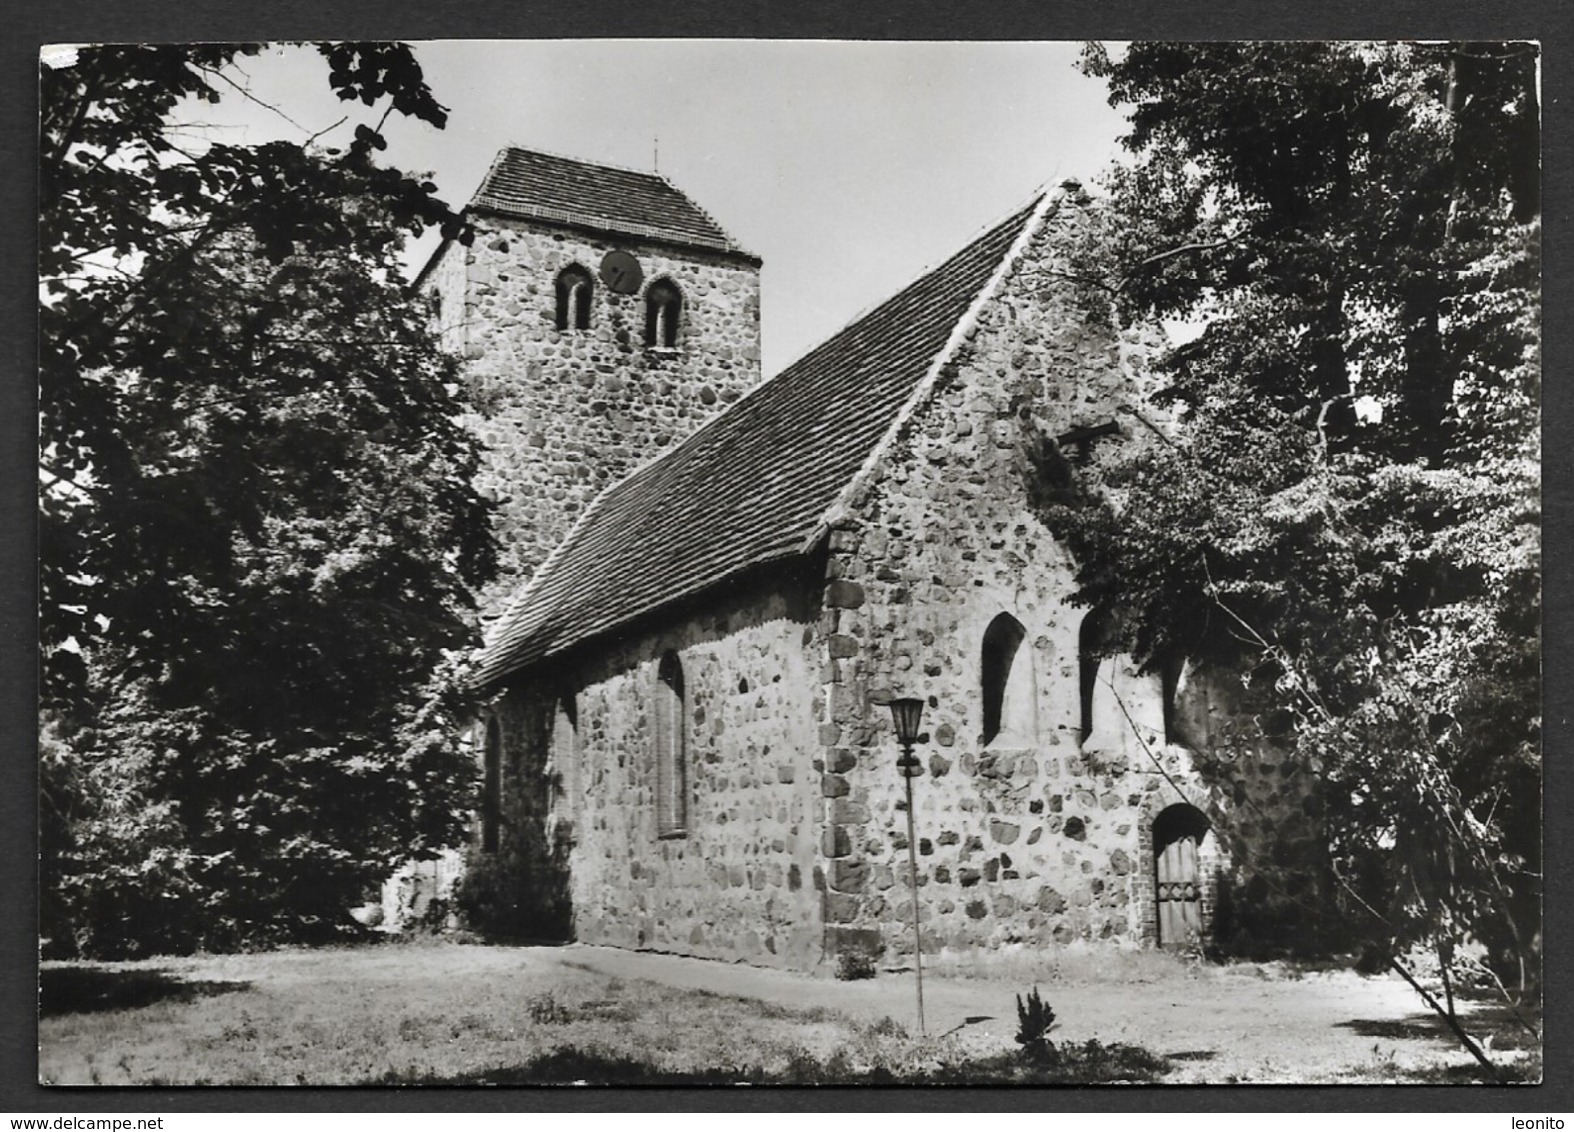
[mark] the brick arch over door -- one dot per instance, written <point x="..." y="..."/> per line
<point x="1185" y="789"/>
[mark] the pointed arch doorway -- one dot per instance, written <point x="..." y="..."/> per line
<point x="1178" y="834"/>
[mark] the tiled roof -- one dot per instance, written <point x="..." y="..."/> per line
<point x="544" y="186"/>
<point x="754" y="484"/>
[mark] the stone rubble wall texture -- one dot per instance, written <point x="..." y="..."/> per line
<point x="1042" y="838"/>
<point x="740" y="884"/>
<point x="1278" y="876"/>
<point x="565" y="414"/>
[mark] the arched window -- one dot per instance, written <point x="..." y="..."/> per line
<point x="1010" y="707"/>
<point x="663" y="309"/>
<point x="1170" y="672"/>
<point x="1090" y="639"/>
<point x="573" y="298"/>
<point x="669" y="721"/>
<point x="491" y="784"/>
<point x="565" y="752"/>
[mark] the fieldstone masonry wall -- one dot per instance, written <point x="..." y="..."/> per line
<point x="1044" y="837"/>
<point x="1272" y="889"/>
<point x="566" y="413"/>
<point x="740" y="885"/>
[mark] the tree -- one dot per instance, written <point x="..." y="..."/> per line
<point x="1351" y="222"/>
<point x="258" y="534"/>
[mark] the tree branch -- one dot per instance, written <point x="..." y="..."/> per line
<point x="1209" y="246"/>
<point x="219" y="74"/>
<point x="1453" y="1022"/>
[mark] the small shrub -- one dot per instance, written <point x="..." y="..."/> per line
<point x="802" y="1068"/>
<point x="855" y="964"/>
<point x="1034" y="1019"/>
<point x="857" y="961"/>
<point x="546" y="1010"/>
<point x="438" y="917"/>
<point x="888" y="1027"/>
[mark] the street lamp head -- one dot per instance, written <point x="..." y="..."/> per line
<point x="906" y="713"/>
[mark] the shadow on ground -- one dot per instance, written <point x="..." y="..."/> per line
<point x="1089" y="1064"/>
<point x="1471" y="1073"/>
<point x="1414" y="1027"/>
<point x="1507" y="1042"/>
<point x="81" y="989"/>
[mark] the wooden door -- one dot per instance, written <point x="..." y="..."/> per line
<point x="1180" y="893"/>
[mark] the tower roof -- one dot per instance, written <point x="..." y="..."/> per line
<point x="761" y="481"/>
<point x="544" y="186"/>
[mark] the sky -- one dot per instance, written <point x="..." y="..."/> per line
<point x="848" y="167"/>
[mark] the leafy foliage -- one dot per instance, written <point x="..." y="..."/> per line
<point x="1034" y="1020"/>
<point x="1349" y="221"/>
<point x="856" y="963"/>
<point x="257" y="528"/>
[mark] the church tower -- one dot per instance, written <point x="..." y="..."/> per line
<point x="602" y="316"/>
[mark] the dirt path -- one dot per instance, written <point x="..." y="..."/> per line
<point x="451" y="1013"/>
<point x="1217" y="1024"/>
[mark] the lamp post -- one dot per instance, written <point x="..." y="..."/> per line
<point x="906" y="714"/>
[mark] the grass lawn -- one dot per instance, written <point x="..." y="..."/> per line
<point x="447" y="1014"/>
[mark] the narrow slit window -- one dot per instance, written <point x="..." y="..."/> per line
<point x="663" y="310"/>
<point x="1090" y="641"/>
<point x="669" y="718"/>
<point x="565" y="753"/>
<point x="574" y="287"/>
<point x="1170" y="678"/>
<point x="491" y="785"/>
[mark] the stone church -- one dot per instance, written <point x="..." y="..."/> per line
<point x="717" y="583"/>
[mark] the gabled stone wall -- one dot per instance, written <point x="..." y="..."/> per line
<point x="1043" y="835"/>
<point x="566" y="413"/>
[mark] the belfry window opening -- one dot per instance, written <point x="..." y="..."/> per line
<point x="574" y="287"/>
<point x="663" y="310"/>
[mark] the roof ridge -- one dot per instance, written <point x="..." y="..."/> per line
<point x="1042" y="206"/>
<point x="512" y="146"/>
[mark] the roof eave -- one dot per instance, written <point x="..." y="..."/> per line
<point x="728" y="250"/>
<point x="491" y="680"/>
